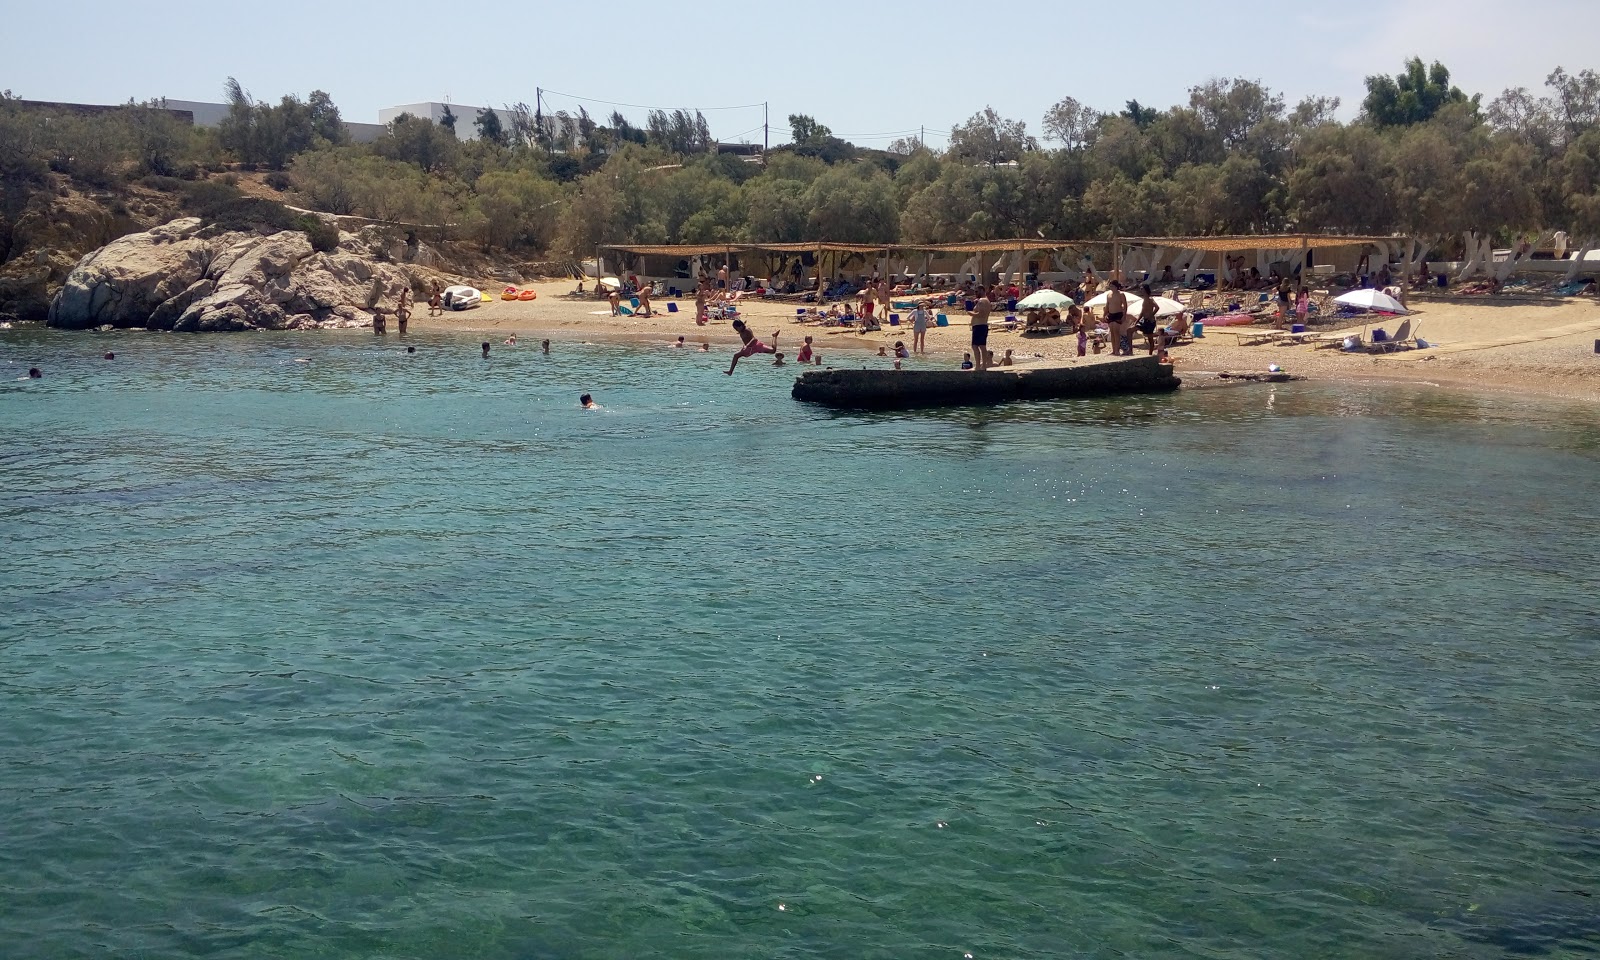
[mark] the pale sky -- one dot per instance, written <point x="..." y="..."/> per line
<point x="933" y="62"/>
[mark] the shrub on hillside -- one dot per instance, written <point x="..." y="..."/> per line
<point x="221" y="205"/>
<point x="324" y="236"/>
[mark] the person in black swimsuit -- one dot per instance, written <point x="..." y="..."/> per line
<point x="1116" y="315"/>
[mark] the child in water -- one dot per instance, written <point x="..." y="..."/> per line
<point x="966" y="361"/>
<point x="900" y="351"/>
<point x="804" y="356"/>
<point x="752" y="346"/>
<point x="777" y="360"/>
<point x="587" y="402"/>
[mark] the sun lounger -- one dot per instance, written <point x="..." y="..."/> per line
<point x="1402" y="340"/>
<point x="1261" y="337"/>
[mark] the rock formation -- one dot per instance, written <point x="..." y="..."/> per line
<point x="181" y="276"/>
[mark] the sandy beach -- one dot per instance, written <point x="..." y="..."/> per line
<point x="1545" y="348"/>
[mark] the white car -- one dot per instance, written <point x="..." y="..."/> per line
<point x="462" y="298"/>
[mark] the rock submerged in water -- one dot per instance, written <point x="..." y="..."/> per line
<point x="174" y="277"/>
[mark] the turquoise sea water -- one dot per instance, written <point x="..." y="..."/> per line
<point x="406" y="656"/>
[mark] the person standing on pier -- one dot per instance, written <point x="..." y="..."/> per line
<point x="980" y="331"/>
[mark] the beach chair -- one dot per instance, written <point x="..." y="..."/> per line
<point x="1261" y="337"/>
<point x="1402" y="340"/>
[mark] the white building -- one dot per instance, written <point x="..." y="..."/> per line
<point x="466" y="116"/>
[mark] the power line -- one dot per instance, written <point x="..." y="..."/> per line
<point x="643" y="106"/>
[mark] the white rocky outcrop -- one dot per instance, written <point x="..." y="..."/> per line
<point x="180" y="276"/>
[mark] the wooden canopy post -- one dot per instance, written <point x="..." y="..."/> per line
<point x="820" y="287"/>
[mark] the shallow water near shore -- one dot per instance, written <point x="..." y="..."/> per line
<point x="389" y="655"/>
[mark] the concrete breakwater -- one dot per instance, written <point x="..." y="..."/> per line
<point x="905" y="389"/>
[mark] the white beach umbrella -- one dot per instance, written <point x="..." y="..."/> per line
<point x="1043" y="300"/>
<point x="1371" y="300"/>
<point x="611" y="283"/>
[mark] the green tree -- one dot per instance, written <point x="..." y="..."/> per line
<point x="853" y="203"/>
<point x="989" y="138"/>
<point x="1140" y="116"/>
<point x="448" y="119"/>
<point x="1411" y="97"/>
<point x="804" y="129"/>
<point x="519" y="209"/>
<point x="415" y="140"/>
<point x="489" y="128"/>
<point x="777" y="210"/>
<point x="326" y="123"/>
<point x="1577" y="98"/>
<point x="1070" y="123"/>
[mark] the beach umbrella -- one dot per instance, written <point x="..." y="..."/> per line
<point x="1044" y="300"/>
<point x="611" y="283"/>
<point x="1371" y="300"/>
<point x="1165" y="307"/>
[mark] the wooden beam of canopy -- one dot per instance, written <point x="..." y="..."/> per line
<point x="1284" y="241"/>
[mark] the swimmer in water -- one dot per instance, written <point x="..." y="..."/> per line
<point x="777" y="360"/>
<point x="587" y="402"/>
<point x="705" y="347"/>
<point x="110" y="355"/>
<point x="411" y="349"/>
<point x="751" y="347"/>
<point x="485" y="349"/>
<point x="679" y="344"/>
<point x="511" y="341"/>
<point x="545" y="346"/>
<point x="33" y="373"/>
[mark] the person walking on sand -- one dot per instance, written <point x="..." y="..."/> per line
<point x="980" y="330"/>
<point x="752" y="346"/>
<point x="402" y="310"/>
<point x="435" y="300"/>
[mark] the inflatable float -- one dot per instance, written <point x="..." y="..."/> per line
<point x="528" y="295"/>
<point x="462" y="298"/>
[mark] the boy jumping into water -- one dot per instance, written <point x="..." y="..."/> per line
<point x="752" y="346"/>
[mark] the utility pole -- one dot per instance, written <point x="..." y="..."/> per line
<point x="538" y="130"/>
<point x="922" y="137"/>
<point x="765" y="131"/>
